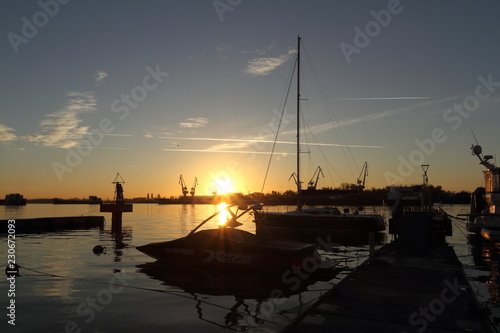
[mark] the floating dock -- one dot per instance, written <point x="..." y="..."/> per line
<point x="44" y="224"/>
<point x="414" y="284"/>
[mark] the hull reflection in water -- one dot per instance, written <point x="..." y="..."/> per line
<point x="251" y="289"/>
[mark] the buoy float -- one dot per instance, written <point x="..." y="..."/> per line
<point x="98" y="249"/>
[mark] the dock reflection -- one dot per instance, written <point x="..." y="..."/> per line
<point x="114" y="242"/>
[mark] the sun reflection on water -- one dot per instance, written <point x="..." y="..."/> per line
<point x="224" y="214"/>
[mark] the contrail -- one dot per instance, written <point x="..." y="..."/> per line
<point x="226" y="151"/>
<point x="270" y="141"/>
<point x="375" y="98"/>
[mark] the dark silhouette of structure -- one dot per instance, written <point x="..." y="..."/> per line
<point x="118" y="206"/>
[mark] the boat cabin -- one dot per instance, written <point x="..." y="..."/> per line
<point x="492" y="189"/>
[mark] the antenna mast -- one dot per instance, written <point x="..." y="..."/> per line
<point x="299" y="201"/>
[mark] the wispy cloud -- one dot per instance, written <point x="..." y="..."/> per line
<point x="62" y="128"/>
<point x="194" y="123"/>
<point x="265" y="65"/>
<point x="99" y="76"/>
<point x="111" y="148"/>
<point x="156" y="131"/>
<point x="259" y="51"/>
<point x="5" y="133"/>
<point x="223" y="47"/>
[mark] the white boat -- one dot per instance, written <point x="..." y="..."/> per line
<point x="485" y="208"/>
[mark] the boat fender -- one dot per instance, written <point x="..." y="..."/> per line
<point x="98" y="249"/>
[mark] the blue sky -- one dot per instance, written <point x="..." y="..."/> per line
<point x="155" y="89"/>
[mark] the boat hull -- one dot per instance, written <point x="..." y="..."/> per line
<point x="228" y="247"/>
<point x="304" y="225"/>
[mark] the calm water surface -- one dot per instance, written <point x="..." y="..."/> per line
<point x="65" y="287"/>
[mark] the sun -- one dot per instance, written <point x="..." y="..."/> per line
<point x="223" y="185"/>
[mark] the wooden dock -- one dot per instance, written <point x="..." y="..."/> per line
<point x="414" y="284"/>
<point x="399" y="292"/>
<point x="44" y="224"/>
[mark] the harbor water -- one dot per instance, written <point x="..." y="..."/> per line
<point x="65" y="287"/>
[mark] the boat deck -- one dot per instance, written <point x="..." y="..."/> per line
<point x="399" y="291"/>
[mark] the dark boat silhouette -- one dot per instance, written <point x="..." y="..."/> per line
<point x="228" y="246"/>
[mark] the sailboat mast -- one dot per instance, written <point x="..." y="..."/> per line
<point x="299" y="201"/>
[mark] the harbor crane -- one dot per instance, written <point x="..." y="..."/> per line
<point x="193" y="188"/>
<point x="295" y="178"/>
<point x="183" y="186"/>
<point x="360" y="183"/>
<point x="313" y="183"/>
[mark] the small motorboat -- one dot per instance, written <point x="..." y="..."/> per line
<point x="228" y="246"/>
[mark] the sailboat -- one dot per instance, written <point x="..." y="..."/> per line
<point x="315" y="222"/>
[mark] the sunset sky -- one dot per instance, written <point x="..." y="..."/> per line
<point x="156" y="89"/>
